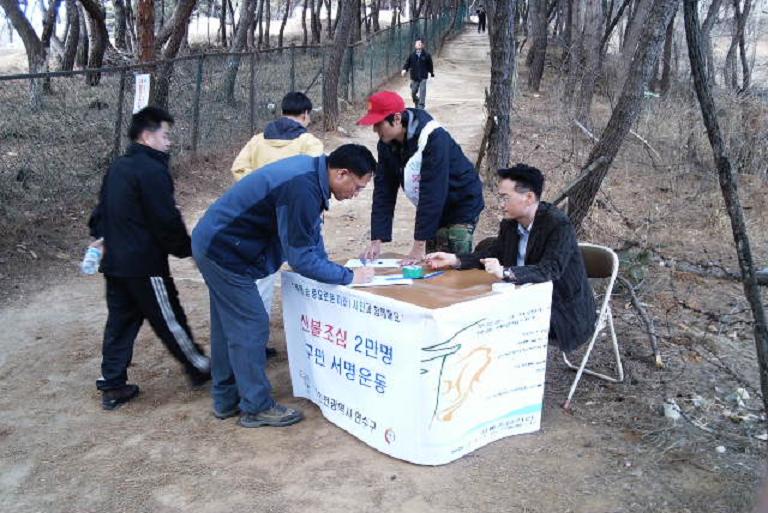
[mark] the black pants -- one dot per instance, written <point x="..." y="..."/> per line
<point x="129" y="302"/>
<point x="481" y="24"/>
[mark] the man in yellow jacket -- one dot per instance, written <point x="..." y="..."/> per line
<point x="282" y="138"/>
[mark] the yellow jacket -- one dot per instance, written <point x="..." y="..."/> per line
<point x="261" y="151"/>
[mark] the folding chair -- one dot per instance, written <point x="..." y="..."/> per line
<point x="601" y="263"/>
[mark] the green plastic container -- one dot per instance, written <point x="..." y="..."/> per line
<point x="413" y="271"/>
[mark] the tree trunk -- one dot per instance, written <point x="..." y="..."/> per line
<point x="178" y="24"/>
<point x="537" y="17"/>
<point x="282" y="25"/>
<point x="591" y="59"/>
<point x="745" y="68"/>
<point x="35" y="52"/>
<point x="706" y="38"/>
<point x="666" y="69"/>
<point x="304" y="22"/>
<point x="146" y="35"/>
<point x="81" y="58"/>
<point x="99" y="38"/>
<point x="502" y="91"/>
<point x="357" y="22"/>
<point x="729" y="188"/>
<point x="375" y="7"/>
<point x="119" y="7"/>
<point x="627" y="108"/>
<point x="223" y="24"/>
<point x="318" y="22"/>
<point x="247" y="9"/>
<point x="268" y="22"/>
<point x="260" y="21"/>
<point x="73" y="36"/>
<point x="345" y="16"/>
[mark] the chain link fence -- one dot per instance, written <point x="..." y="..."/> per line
<point x="54" y="150"/>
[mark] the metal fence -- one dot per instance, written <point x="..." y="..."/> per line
<point x="53" y="153"/>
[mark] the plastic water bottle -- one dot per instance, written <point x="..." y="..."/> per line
<point x="90" y="264"/>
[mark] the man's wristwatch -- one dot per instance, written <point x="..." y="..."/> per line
<point x="507" y="274"/>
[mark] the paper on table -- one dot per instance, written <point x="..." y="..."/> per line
<point x="384" y="281"/>
<point x="375" y="263"/>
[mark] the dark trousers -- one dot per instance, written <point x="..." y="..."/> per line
<point x="129" y="302"/>
<point x="481" y="24"/>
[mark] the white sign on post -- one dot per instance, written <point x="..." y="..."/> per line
<point x="426" y="386"/>
<point x="141" y="95"/>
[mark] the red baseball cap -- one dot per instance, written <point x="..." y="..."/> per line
<point x="381" y="105"/>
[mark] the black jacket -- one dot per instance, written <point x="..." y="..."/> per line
<point x="552" y="254"/>
<point x="419" y="65"/>
<point x="137" y="216"/>
<point x="450" y="190"/>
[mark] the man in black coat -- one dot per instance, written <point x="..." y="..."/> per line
<point x="139" y="224"/>
<point x="536" y="243"/>
<point x="419" y="63"/>
<point x="481" y="19"/>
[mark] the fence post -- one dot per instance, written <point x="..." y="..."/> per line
<point x="196" y="105"/>
<point x="322" y="71"/>
<point x="370" y="67"/>
<point x="252" y="94"/>
<point x="119" y="118"/>
<point x="351" y="74"/>
<point x="387" y="49"/>
<point x="293" y="67"/>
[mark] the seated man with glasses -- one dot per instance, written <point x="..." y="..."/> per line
<point x="536" y="243"/>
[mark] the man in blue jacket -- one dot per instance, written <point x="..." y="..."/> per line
<point x="263" y="220"/>
<point x="140" y="226"/>
<point x="419" y="156"/>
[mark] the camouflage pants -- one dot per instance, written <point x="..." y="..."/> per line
<point x="454" y="238"/>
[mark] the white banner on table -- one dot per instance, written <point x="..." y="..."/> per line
<point x="426" y="386"/>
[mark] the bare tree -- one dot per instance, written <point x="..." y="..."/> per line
<point x="282" y="24"/>
<point x="177" y="26"/>
<point x="223" y="23"/>
<point x="591" y="59"/>
<point x="537" y="18"/>
<point x="706" y="29"/>
<point x="666" y="68"/>
<point x="304" y="22"/>
<point x="98" y="38"/>
<point x="81" y="57"/>
<point x="502" y="92"/>
<point x="626" y="111"/>
<point x="729" y="188"/>
<point x="120" y="24"/>
<point x="247" y="9"/>
<point x="36" y="57"/>
<point x="730" y="75"/>
<point x="332" y="71"/>
<point x="73" y="36"/>
<point x="146" y="35"/>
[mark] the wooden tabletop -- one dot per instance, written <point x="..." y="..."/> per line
<point x="445" y="290"/>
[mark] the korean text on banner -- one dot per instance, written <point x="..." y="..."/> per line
<point x="425" y="386"/>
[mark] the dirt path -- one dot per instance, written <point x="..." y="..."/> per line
<point x="59" y="452"/>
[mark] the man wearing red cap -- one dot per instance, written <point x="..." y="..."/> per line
<point x="419" y="156"/>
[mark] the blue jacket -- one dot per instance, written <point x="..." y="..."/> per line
<point x="450" y="191"/>
<point x="137" y="216"/>
<point x="270" y="217"/>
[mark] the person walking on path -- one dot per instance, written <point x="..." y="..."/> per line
<point x="419" y="63"/>
<point x="481" y="15"/>
<point x="419" y="156"/>
<point x="263" y="220"/>
<point x="285" y="137"/>
<point x="138" y="221"/>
